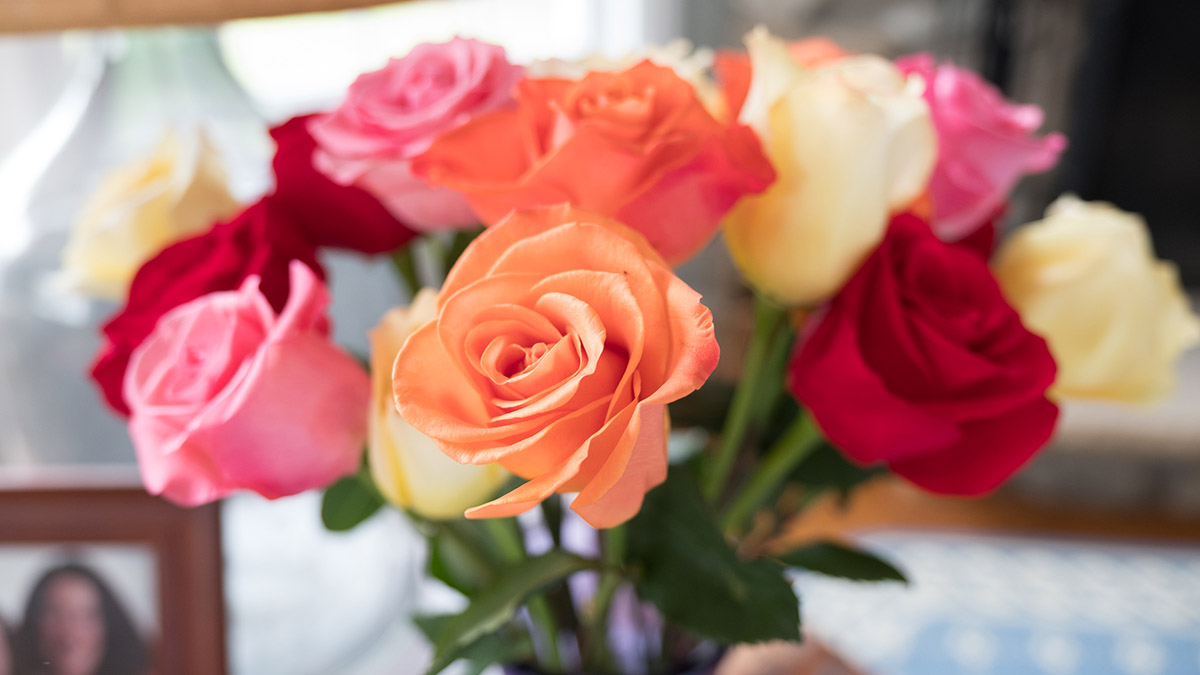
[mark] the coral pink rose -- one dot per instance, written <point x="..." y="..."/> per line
<point x="985" y="145"/>
<point x="559" y="339"/>
<point x="635" y="145"/>
<point x="225" y="395"/>
<point x="394" y="114"/>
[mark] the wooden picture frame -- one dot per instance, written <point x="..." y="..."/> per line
<point x="90" y="506"/>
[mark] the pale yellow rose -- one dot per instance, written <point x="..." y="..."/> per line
<point x="1115" y="317"/>
<point x="852" y="142"/>
<point x="179" y="190"/>
<point x="406" y="465"/>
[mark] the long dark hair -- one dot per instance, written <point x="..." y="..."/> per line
<point x="125" y="653"/>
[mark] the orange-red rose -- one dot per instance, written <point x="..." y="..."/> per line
<point x="635" y="145"/>
<point x="559" y="339"/>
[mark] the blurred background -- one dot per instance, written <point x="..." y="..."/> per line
<point x="1086" y="563"/>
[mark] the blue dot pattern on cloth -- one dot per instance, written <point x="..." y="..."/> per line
<point x="992" y="605"/>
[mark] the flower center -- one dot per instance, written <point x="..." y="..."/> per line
<point x="520" y="358"/>
<point x="617" y="104"/>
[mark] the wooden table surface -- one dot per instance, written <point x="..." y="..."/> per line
<point x="890" y="504"/>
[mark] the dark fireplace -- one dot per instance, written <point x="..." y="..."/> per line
<point x="1135" y="122"/>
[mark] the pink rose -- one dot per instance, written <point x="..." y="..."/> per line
<point x="394" y="114"/>
<point x="227" y="395"/>
<point x="986" y="144"/>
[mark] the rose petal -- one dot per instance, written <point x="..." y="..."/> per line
<point x="616" y="493"/>
<point x="989" y="451"/>
<point x="248" y="436"/>
<point x="429" y="388"/>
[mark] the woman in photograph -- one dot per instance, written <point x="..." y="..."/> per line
<point x="74" y="625"/>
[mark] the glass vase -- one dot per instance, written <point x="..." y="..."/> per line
<point x="124" y="90"/>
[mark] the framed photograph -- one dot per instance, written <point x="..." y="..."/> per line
<point x="99" y="578"/>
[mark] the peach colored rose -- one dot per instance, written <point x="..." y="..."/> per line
<point x="226" y="395"/>
<point x="393" y="114"/>
<point x="986" y="144"/>
<point x="559" y="339"/>
<point x="635" y="145"/>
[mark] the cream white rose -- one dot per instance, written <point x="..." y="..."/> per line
<point x="179" y="190"/>
<point x="852" y="142"/>
<point x="406" y="465"/>
<point x="1115" y="317"/>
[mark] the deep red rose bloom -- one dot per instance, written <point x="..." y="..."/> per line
<point x="920" y="364"/>
<point x="259" y="241"/>
<point x="328" y="214"/>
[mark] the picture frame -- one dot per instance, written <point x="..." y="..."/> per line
<point x="64" y="514"/>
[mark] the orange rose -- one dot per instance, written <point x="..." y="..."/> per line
<point x="635" y="145"/>
<point x="559" y="339"/>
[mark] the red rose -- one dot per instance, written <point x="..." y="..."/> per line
<point x="328" y="214"/>
<point x="983" y="240"/>
<point x="920" y="364"/>
<point x="259" y="241"/>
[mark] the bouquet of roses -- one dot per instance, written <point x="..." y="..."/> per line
<point x="520" y="407"/>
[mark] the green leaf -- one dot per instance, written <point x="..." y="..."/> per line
<point x="827" y="468"/>
<point x="431" y="625"/>
<point x="459" y="556"/>
<point x="836" y="560"/>
<point x="690" y="572"/>
<point x="349" y="502"/>
<point x="494" y="606"/>
<point x="500" y="647"/>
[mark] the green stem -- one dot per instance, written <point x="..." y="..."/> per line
<point x="406" y="269"/>
<point x="769" y="320"/>
<point x="458" y="244"/>
<point x="542" y="616"/>
<point x="614" y="543"/>
<point x="771" y="386"/>
<point x="552" y="514"/>
<point x="559" y="594"/>
<point x="435" y="248"/>
<point x="797" y="443"/>
<point x="506" y="532"/>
